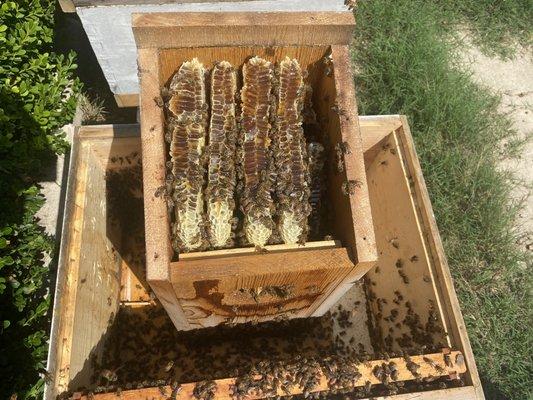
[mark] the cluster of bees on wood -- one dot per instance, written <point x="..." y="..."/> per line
<point x="143" y="349"/>
<point x="240" y="167"/>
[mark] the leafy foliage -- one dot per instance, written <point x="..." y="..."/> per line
<point x="406" y="65"/>
<point x="36" y="100"/>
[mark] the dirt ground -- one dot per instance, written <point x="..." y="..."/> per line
<point x="513" y="80"/>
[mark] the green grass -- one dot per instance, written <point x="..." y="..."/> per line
<point x="497" y="26"/>
<point x="405" y="65"/>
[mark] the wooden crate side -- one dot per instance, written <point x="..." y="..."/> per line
<point x="89" y="273"/>
<point x="188" y="29"/>
<point x="257" y="287"/>
<point x="67" y="278"/>
<point x="224" y="389"/>
<point x="157" y="225"/>
<point x="347" y="188"/>
<point x="442" y="273"/>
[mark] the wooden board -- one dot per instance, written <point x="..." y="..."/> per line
<point x="431" y="366"/>
<point x="209" y="37"/>
<point x="257" y="287"/>
<point x="188" y="29"/>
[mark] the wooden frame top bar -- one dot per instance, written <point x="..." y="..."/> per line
<point x="195" y="29"/>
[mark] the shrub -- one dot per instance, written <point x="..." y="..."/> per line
<point x="36" y="99"/>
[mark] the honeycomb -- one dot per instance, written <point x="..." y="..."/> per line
<point x="254" y="155"/>
<point x="290" y="155"/>
<point x="221" y="177"/>
<point x="186" y="131"/>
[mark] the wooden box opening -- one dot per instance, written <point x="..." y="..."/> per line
<point x="108" y="332"/>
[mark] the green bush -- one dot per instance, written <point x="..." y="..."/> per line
<point x="37" y="97"/>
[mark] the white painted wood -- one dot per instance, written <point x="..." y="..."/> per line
<point x="109" y="31"/>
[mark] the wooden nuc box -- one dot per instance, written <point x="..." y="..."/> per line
<point x="101" y="294"/>
<point x="204" y="289"/>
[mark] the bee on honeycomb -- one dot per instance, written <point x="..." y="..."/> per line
<point x="221" y="177"/>
<point x="186" y="110"/>
<point x="254" y="151"/>
<point x="290" y="155"/>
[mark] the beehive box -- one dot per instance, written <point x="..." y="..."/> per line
<point x="205" y="289"/>
<point x="108" y="332"/>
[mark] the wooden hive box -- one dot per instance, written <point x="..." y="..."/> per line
<point x="101" y="280"/>
<point x="205" y="289"/>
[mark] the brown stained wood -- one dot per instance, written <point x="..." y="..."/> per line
<point x="224" y="386"/>
<point x="188" y="29"/>
<point x="235" y="288"/>
<point x="269" y="32"/>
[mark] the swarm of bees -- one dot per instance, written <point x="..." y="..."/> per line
<point x="240" y="167"/>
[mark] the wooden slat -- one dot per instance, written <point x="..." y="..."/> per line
<point x="70" y="257"/>
<point x="224" y="386"/>
<point x="127" y="100"/>
<point x="157" y="225"/>
<point x="269" y="249"/>
<point x="186" y="29"/>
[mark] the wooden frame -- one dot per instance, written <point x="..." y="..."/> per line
<point x="164" y="41"/>
<point x="80" y="321"/>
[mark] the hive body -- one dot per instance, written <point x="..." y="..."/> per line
<point x="254" y="157"/>
<point x="186" y="130"/>
<point x="290" y="155"/>
<point x="221" y="164"/>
